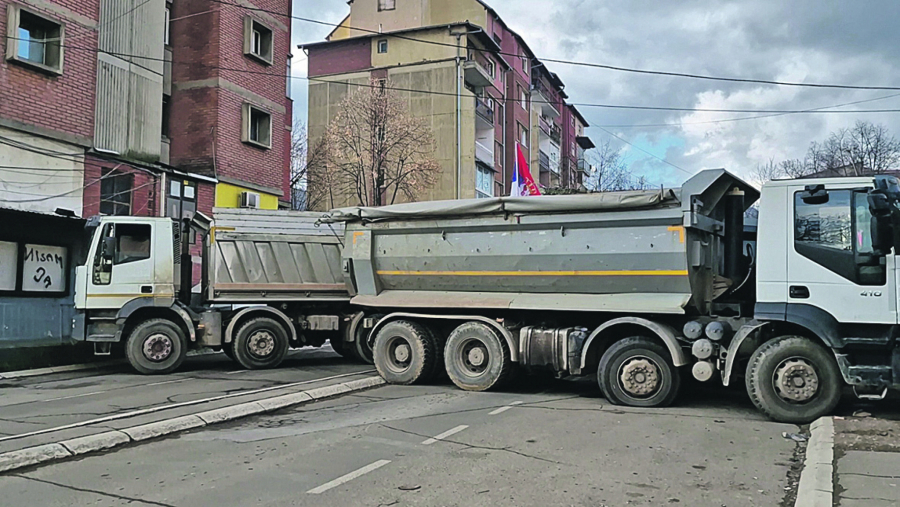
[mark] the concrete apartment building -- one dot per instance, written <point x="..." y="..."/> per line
<point x="132" y="107"/>
<point x="435" y="52"/>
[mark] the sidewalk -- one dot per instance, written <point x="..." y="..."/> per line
<point x="867" y="461"/>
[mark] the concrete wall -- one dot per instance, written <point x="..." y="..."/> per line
<point x="410" y="14"/>
<point x="41" y="182"/>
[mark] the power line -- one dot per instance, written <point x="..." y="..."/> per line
<point x="572" y="62"/>
<point x="503" y="99"/>
<point x="747" y="117"/>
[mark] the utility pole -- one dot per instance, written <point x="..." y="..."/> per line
<point x="458" y="114"/>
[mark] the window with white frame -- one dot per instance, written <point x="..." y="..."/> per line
<point x="257" y="126"/>
<point x="523" y="98"/>
<point x="484" y="182"/>
<point x="387" y="5"/>
<point x="382" y="46"/>
<point x="525" y="64"/>
<point x="287" y="92"/>
<point x="258" y="40"/>
<point x="166" y="28"/>
<point x="523" y="135"/>
<point x="492" y="69"/>
<point x="35" y="40"/>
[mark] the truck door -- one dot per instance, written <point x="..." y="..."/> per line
<point x="121" y="268"/>
<point x="831" y="262"/>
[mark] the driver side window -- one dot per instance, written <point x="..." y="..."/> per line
<point x="120" y="244"/>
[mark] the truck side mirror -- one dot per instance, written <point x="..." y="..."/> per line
<point x="814" y="194"/>
<point x="108" y="247"/>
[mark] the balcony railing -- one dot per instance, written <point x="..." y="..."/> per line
<point x="555" y="133"/>
<point x="484" y="154"/>
<point x="545" y="125"/>
<point x="484" y="110"/>
<point x="544" y="161"/>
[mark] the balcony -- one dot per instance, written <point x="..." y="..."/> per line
<point x="484" y="154"/>
<point x="547" y="98"/>
<point x="555" y="133"/>
<point x="545" y="125"/>
<point x="544" y="161"/>
<point x="476" y="75"/>
<point x="583" y="166"/>
<point x="485" y="112"/>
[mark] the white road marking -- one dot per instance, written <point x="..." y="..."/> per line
<point x="349" y="477"/>
<point x="168" y="382"/>
<point x="110" y="390"/>
<point x="504" y="409"/>
<point x="236" y="372"/>
<point x="445" y="434"/>
<point x="151" y="410"/>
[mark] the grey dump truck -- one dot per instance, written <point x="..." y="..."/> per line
<point x="640" y="289"/>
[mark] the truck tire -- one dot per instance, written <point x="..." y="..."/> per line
<point x="156" y="347"/>
<point x="260" y="343"/>
<point x="794" y="380"/>
<point x="476" y="358"/>
<point x="405" y="353"/>
<point x="638" y="372"/>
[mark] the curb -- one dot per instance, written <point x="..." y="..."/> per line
<point x="99" y="442"/>
<point x="816" y="486"/>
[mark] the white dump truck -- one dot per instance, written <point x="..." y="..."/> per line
<point x="638" y="288"/>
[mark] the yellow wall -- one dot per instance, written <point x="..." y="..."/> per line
<point x="412" y="14"/>
<point x="229" y="196"/>
<point x="402" y="51"/>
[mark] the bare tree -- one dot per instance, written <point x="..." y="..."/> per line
<point x="299" y="167"/>
<point x="609" y="172"/>
<point x="375" y="152"/>
<point x="863" y="149"/>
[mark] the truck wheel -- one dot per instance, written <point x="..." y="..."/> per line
<point x="476" y="358"/>
<point x="155" y="347"/>
<point x="405" y="353"/>
<point x="260" y="343"/>
<point x="794" y="380"/>
<point x="638" y="372"/>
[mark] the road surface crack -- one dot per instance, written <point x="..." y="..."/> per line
<point x="482" y="447"/>
<point x="94" y="491"/>
<point x="871" y="475"/>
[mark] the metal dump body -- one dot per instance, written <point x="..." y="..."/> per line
<point x="647" y="251"/>
<point x="272" y="255"/>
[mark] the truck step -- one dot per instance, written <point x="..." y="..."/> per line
<point x="871" y="396"/>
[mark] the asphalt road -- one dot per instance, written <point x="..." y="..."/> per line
<point x="38" y="410"/>
<point x="546" y="442"/>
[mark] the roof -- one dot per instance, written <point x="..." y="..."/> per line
<point x="578" y="115"/>
<point x="585" y="142"/>
<point x="44" y="214"/>
<point x="606" y="201"/>
<point x="477" y="32"/>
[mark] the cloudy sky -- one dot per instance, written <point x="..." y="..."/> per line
<point x="825" y="41"/>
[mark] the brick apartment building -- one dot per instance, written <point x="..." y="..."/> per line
<point x="508" y="96"/>
<point x="139" y="107"/>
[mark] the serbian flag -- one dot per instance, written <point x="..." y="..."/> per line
<point x="522" y="182"/>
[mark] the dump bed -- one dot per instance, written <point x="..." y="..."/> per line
<point x="272" y="255"/>
<point x="657" y="251"/>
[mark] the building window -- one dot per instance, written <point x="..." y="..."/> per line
<point x="497" y="39"/>
<point x="387" y="5"/>
<point x="484" y="182"/>
<point x="523" y="135"/>
<point x="258" y="40"/>
<point x="288" y="79"/>
<point x="131" y="243"/>
<point x="492" y="69"/>
<point x="525" y="64"/>
<point x="115" y="193"/>
<point x="382" y="46"/>
<point x="35" y="40"/>
<point x="166" y="28"/>
<point x="166" y="114"/>
<point x="523" y="98"/>
<point x="257" y="128"/>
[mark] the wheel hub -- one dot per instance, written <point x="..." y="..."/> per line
<point x="639" y="376"/>
<point x="261" y="343"/>
<point x="796" y="380"/>
<point x="401" y="353"/>
<point x="157" y="347"/>
<point x="477" y="356"/>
